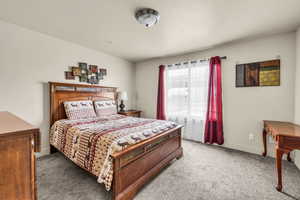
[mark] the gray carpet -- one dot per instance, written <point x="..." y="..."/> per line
<point x="205" y="172"/>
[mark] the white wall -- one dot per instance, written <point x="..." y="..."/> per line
<point x="28" y="60"/>
<point x="297" y="90"/>
<point x="244" y="108"/>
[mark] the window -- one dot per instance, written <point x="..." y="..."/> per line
<point x="187" y="87"/>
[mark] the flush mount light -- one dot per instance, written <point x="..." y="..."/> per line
<point x="147" y="16"/>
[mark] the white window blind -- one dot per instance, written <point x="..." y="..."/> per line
<point x="186" y="96"/>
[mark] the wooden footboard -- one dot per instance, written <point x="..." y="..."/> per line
<point x="136" y="165"/>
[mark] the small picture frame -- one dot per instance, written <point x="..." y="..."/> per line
<point x="76" y="71"/>
<point x="83" y="68"/>
<point x="69" y="75"/>
<point x="103" y="71"/>
<point x="83" y="78"/>
<point x="82" y="65"/>
<point x="93" y="80"/>
<point x="93" y="68"/>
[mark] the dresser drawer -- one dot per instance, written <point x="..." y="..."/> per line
<point x="17" y="168"/>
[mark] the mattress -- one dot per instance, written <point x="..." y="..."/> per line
<point x="90" y="142"/>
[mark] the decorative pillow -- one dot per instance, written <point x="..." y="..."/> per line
<point x="106" y="107"/>
<point x="79" y="109"/>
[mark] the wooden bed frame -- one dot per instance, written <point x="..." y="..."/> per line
<point x="134" y="166"/>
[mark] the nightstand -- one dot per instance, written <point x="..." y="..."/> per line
<point x="131" y="113"/>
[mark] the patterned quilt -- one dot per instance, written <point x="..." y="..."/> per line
<point x="90" y="142"/>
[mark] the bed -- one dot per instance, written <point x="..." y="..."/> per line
<point x="122" y="152"/>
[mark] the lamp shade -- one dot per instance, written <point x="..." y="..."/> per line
<point x="122" y="95"/>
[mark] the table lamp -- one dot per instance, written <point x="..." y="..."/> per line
<point x="122" y="96"/>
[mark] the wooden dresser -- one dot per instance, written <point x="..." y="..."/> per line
<point x="18" y="142"/>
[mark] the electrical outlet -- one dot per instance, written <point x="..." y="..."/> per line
<point x="251" y="136"/>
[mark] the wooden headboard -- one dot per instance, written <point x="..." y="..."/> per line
<point x="60" y="92"/>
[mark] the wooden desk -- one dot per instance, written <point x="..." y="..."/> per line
<point x="287" y="139"/>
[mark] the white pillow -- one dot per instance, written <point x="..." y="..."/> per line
<point x="79" y="109"/>
<point x="106" y="107"/>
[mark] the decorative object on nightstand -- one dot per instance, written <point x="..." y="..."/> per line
<point x="131" y="113"/>
<point x="122" y="96"/>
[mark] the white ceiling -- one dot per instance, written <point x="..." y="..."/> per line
<point x="185" y="26"/>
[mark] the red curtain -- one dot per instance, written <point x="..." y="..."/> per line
<point x="214" y="120"/>
<point x="160" y="112"/>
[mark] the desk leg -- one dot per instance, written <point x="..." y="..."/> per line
<point x="279" y="154"/>
<point x="264" y="142"/>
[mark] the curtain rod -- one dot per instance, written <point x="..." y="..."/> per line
<point x="195" y="61"/>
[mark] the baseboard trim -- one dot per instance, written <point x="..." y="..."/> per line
<point x="44" y="151"/>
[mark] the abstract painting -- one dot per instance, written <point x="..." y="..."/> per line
<point x="266" y="73"/>
<point x="269" y="74"/>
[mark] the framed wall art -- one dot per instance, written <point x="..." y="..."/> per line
<point x="76" y="71"/>
<point x="69" y="75"/>
<point x="265" y="73"/>
<point x="87" y="73"/>
<point x="83" y="68"/>
<point x="93" y="68"/>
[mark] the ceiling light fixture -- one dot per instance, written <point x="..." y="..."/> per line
<point x="147" y="16"/>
